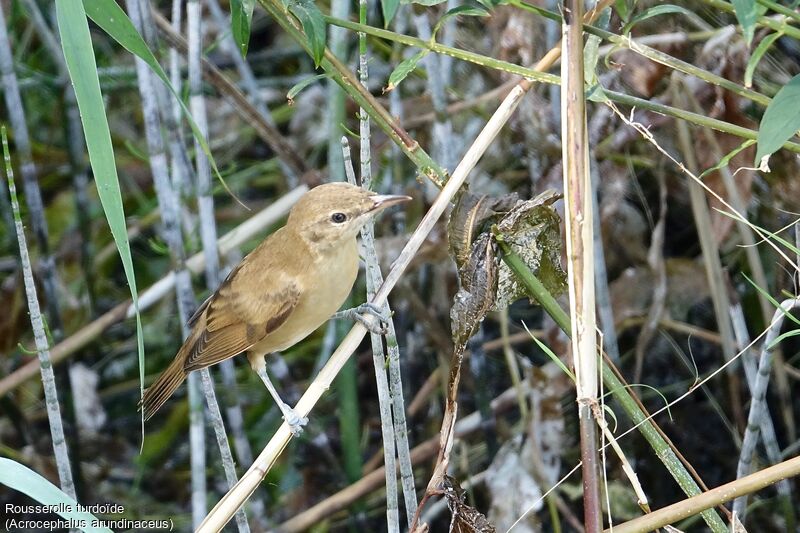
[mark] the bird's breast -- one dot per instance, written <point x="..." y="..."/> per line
<point x="330" y="280"/>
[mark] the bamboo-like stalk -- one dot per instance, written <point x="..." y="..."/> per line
<point x="232" y="240"/>
<point x="758" y="403"/>
<point x="40" y="337"/>
<point x="374" y="277"/>
<point x="395" y="377"/>
<point x="711" y="498"/>
<point x="394" y="391"/>
<point x="579" y="222"/>
<point x="233" y="408"/>
<point x="767" y="428"/>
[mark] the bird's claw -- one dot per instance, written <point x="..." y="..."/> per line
<point x="366" y="314"/>
<point x="295" y="421"/>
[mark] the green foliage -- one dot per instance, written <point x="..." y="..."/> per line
<point x="21" y="478"/>
<point x="302" y="84"/>
<point x="241" y="17"/>
<point x="747" y="12"/>
<point x="624" y="8"/>
<point x="314" y="27"/>
<point x="406" y="67"/>
<point x="781" y="120"/>
<point x="655" y="11"/>
<point x="389" y="9"/>
<point x="762" y="48"/>
<point x="76" y="43"/>
<point x="465" y="10"/>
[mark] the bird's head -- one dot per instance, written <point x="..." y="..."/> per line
<point x="335" y="212"/>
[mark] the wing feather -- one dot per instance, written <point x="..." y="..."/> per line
<point x="233" y="325"/>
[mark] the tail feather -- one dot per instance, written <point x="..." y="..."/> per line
<point x="160" y="391"/>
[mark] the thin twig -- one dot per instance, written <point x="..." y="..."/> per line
<point x="40" y="337"/>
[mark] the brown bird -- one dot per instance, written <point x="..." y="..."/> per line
<point x="281" y="292"/>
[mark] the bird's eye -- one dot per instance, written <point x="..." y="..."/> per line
<point x="338" y="218"/>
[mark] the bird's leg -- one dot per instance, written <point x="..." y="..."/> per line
<point x="366" y="314"/>
<point x="295" y="421"/>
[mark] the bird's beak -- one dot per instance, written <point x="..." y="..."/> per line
<point x="382" y="201"/>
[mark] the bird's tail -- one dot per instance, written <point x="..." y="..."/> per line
<point x="160" y="391"/>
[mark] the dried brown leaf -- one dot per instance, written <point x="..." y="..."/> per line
<point x="533" y="229"/>
<point x="465" y="519"/>
<point x="472" y="215"/>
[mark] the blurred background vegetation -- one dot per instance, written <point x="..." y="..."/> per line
<point x="660" y="314"/>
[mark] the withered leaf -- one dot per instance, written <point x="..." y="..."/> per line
<point x="476" y="292"/>
<point x="532" y="228"/>
<point x="464" y="519"/>
<point x="472" y="215"/>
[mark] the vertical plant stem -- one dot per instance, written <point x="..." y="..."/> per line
<point x="168" y="206"/>
<point x="375" y="280"/>
<point x="40" y="337"/>
<point x="580" y="253"/>
<point x="208" y="229"/>
<point x="513" y="366"/>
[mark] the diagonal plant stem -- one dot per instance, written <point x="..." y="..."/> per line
<point x="40" y="337"/>
<point x="709" y="499"/>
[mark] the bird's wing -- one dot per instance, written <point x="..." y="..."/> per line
<point x="247" y="307"/>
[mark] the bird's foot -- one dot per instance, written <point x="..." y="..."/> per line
<point x="366" y="314"/>
<point x="295" y="421"/>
